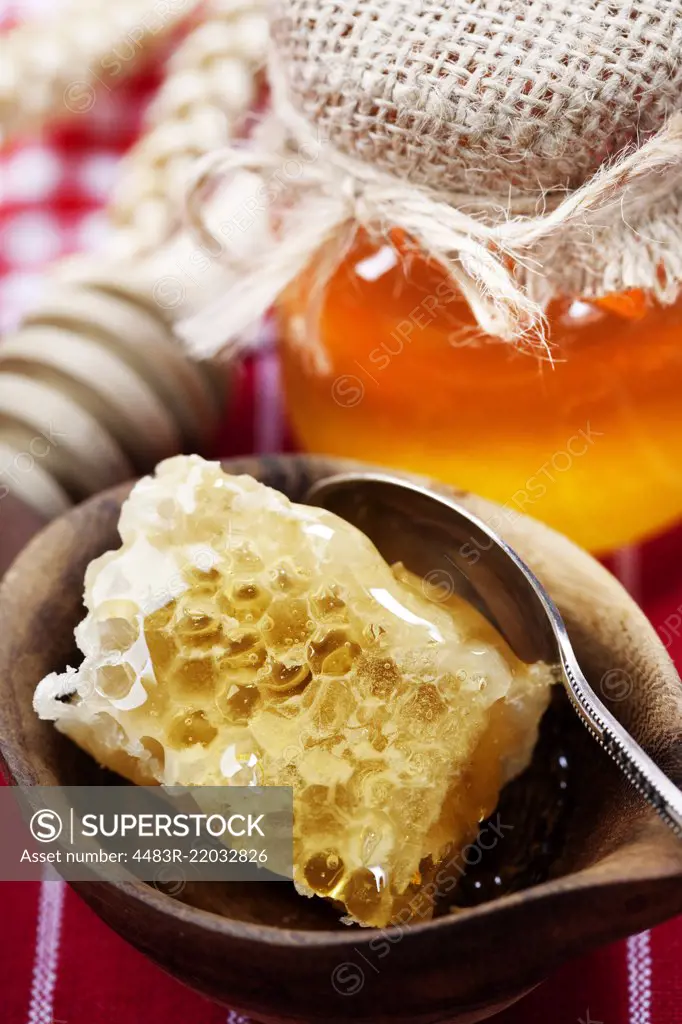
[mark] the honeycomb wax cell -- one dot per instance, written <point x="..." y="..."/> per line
<point x="588" y="442"/>
<point x="236" y="638"/>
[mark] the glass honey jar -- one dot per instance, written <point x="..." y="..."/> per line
<point x="585" y="435"/>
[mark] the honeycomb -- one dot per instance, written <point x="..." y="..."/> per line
<point x="236" y="638"/>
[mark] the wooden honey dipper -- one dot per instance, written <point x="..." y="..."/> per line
<point x="94" y="386"/>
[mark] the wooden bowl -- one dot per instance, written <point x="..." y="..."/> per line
<point x="615" y="870"/>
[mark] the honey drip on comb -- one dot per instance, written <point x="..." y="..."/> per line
<point x="297" y="657"/>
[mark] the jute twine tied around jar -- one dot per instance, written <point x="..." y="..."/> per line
<point x="533" y="148"/>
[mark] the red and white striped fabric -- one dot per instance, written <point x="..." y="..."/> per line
<point x="58" y="963"/>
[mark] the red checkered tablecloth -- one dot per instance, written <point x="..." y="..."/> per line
<point x="58" y="963"/>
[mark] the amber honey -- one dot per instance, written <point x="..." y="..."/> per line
<point x="584" y="435"/>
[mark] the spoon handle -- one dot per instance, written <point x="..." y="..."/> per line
<point x="636" y="765"/>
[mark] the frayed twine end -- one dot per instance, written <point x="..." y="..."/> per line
<point x="487" y="260"/>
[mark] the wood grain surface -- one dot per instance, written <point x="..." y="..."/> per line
<point x="18" y="523"/>
<point x="282" y="958"/>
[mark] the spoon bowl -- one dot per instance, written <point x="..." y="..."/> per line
<point x="424" y="529"/>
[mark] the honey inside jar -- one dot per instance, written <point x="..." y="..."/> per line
<point x="585" y="436"/>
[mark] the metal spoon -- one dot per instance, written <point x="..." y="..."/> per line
<point x="432" y="535"/>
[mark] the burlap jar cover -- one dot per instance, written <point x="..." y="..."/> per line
<point x="531" y="147"/>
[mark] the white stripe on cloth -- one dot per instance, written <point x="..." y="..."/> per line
<point x="236" y="1018"/>
<point x="48" y="935"/>
<point x="640" y="968"/>
<point x="268" y="412"/>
